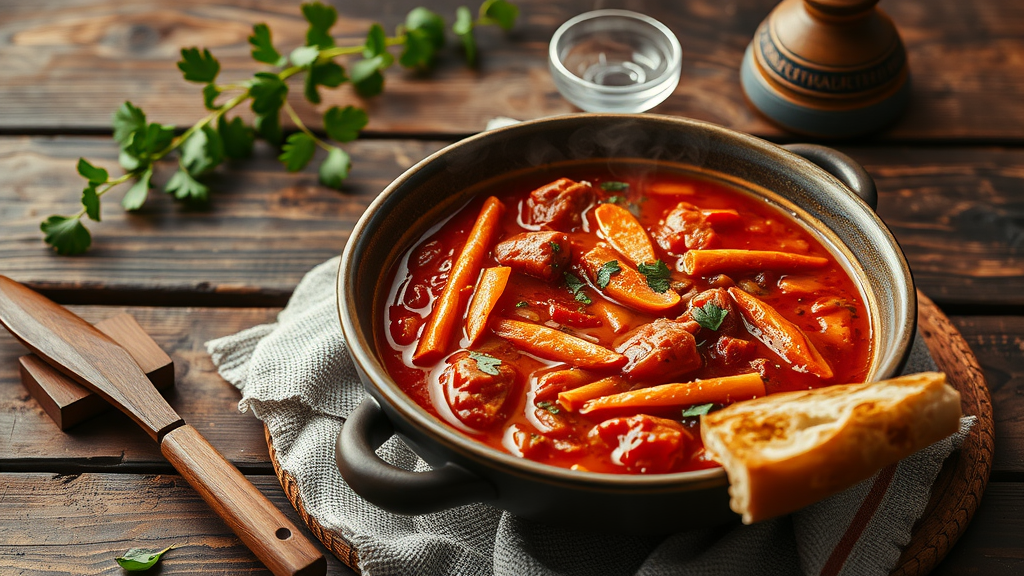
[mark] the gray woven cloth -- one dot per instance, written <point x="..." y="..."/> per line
<point x="295" y="375"/>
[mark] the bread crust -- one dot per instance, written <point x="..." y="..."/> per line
<point x="785" y="451"/>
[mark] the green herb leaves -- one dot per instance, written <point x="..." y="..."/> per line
<point x="709" y="316"/>
<point x="262" y="48"/>
<point x="614" y="187"/>
<point x="486" y="363"/>
<point x="550" y="407"/>
<point x="605" y="273"/>
<point x="298" y="151"/>
<point x="575" y="286"/>
<point x="139" y="559"/>
<point x="344" y="124"/>
<point x="657" y="275"/>
<point x="198" y="66"/>
<point x="214" y="138"/>
<point x="697" y="410"/>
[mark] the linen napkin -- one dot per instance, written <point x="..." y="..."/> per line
<point x="296" y="376"/>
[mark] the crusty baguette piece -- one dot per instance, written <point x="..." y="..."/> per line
<point x="785" y="451"/>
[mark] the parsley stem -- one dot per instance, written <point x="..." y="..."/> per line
<point x="299" y="124"/>
<point x="330" y="53"/>
<point x="107" y="186"/>
<point x="179" y="140"/>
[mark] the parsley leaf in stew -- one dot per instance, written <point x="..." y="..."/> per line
<point x="486" y="363"/>
<point x="657" y="275"/>
<point x="555" y="247"/>
<point x="614" y="186"/>
<point x="549" y="406"/>
<point x="605" y="273"/>
<point x="697" y="410"/>
<point x="710" y="316"/>
<point x="522" y="304"/>
<point x="575" y="286"/>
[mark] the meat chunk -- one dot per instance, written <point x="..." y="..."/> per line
<point x="733" y="350"/>
<point x="642" y="443"/>
<point x="476" y="397"/>
<point x="536" y="446"/>
<point x="559" y="205"/>
<point x="543" y="255"/>
<point x="663" y="350"/>
<point x="685" y="227"/>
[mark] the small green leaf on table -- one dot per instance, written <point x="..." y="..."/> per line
<point x="185" y="187"/>
<point x="91" y="202"/>
<point x="463" y="28"/>
<point x="139" y="559"/>
<point x="136" y="196"/>
<point x="127" y="120"/>
<point x="236" y="136"/>
<point x="501" y="12"/>
<point x="91" y="173"/>
<point x="320" y="18"/>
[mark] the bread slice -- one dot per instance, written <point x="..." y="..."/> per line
<point x="788" y="450"/>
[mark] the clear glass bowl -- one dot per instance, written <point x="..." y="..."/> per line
<point x="615" y="61"/>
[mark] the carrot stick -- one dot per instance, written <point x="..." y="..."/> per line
<point x="438" y="331"/>
<point x="718" y="390"/>
<point x="708" y="262"/>
<point x="573" y="400"/>
<point x="780" y="335"/>
<point x="625" y="234"/>
<point x="555" y="345"/>
<point x="628" y="286"/>
<point x="488" y="292"/>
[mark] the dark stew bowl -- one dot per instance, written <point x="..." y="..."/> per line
<point x="818" y="186"/>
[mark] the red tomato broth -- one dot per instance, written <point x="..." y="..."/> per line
<point x="419" y="277"/>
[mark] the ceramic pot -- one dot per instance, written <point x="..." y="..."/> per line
<point x="824" y="190"/>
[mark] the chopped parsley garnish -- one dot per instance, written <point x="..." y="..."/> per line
<point x="710" y="316"/>
<point x="549" y="406"/>
<point x="575" y="286"/>
<point x="657" y="275"/>
<point x="555" y="247"/>
<point x="614" y="200"/>
<point x="697" y="410"/>
<point x="522" y="304"/>
<point x="605" y="273"/>
<point x="486" y="363"/>
<point x="614" y="186"/>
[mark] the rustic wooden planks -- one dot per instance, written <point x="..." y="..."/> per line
<point x="964" y="57"/>
<point x="100" y="516"/>
<point x="957" y="212"/>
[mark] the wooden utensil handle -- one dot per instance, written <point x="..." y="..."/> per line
<point x="260" y="525"/>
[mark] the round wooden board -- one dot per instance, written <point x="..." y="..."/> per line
<point x="955" y="494"/>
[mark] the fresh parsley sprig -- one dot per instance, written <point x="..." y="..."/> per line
<point x="710" y="315"/>
<point x="214" y="138"/>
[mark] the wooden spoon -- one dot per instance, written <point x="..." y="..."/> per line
<point x="83" y="353"/>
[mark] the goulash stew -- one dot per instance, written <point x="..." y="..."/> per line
<point x="589" y="323"/>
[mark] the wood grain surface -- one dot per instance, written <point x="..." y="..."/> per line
<point x="55" y="525"/>
<point x="964" y="58"/>
<point x="957" y="212"/>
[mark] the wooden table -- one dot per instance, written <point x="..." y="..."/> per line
<point x="950" y="176"/>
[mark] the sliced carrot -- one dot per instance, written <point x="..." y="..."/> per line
<point x="625" y="234"/>
<point x="552" y="344"/>
<point x="717" y="390"/>
<point x="488" y="292"/>
<point x="721" y="216"/>
<point x="618" y="318"/>
<point x="709" y="262"/>
<point x="438" y="331"/>
<point x="780" y="335"/>
<point x="573" y="400"/>
<point x="628" y="286"/>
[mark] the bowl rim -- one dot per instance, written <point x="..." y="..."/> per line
<point x="673" y="67"/>
<point x="362" y="349"/>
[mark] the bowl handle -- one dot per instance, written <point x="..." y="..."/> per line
<point x="846" y="169"/>
<point x="392" y="488"/>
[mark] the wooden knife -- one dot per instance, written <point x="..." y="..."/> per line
<point x="83" y="353"/>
